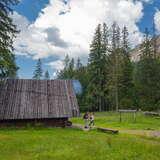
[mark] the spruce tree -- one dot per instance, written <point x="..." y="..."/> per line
<point x="79" y="64"/>
<point x="104" y="62"/>
<point x="113" y="36"/>
<point x="126" y="79"/>
<point x="80" y="73"/>
<point x="154" y="42"/>
<point x="125" y="41"/>
<point x="8" y="32"/>
<point x="38" y="73"/>
<point x="97" y="62"/>
<point x="120" y="69"/>
<point x="148" y="75"/>
<point x="46" y="75"/>
<point x="66" y="62"/>
<point x="146" y="47"/>
<point x="63" y="74"/>
<point x="105" y="39"/>
<point x="114" y="70"/>
<point x="69" y="69"/>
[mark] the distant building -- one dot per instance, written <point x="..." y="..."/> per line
<point x="47" y="102"/>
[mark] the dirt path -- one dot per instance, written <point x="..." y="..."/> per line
<point x="79" y="126"/>
<point x="142" y="133"/>
<point x="147" y="133"/>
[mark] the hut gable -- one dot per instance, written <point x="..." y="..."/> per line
<point x="37" y="99"/>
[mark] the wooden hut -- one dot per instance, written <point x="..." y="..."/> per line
<point x="47" y="102"/>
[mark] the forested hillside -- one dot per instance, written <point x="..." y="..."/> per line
<point x="110" y="80"/>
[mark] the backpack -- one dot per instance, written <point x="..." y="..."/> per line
<point x="85" y="116"/>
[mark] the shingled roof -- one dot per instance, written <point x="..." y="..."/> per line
<point x="37" y="99"/>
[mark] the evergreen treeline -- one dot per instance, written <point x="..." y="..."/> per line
<point x="110" y="80"/>
<point x="38" y="72"/>
<point x="147" y="75"/>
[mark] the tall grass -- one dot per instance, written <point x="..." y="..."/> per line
<point x="73" y="144"/>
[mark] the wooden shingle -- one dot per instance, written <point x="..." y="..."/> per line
<point x="37" y="99"/>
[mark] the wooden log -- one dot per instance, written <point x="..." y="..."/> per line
<point x="107" y="130"/>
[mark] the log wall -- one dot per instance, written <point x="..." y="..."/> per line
<point x="50" y="122"/>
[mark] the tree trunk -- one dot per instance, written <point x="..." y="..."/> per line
<point x="116" y="89"/>
<point x="116" y="98"/>
<point x="100" y="104"/>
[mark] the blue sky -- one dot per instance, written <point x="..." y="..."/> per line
<point x="30" y="9"/>
<point x="31" y="14"/>
<point x="149" y="11"/>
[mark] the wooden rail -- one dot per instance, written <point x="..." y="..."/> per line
<point x="127" y="111"/>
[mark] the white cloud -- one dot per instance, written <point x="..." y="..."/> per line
<point x="157" y="20"/>
<point x="56" y="65"/>
<point x="73" y="25"/>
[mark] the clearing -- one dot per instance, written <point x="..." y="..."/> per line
<point x="70" y="144"/>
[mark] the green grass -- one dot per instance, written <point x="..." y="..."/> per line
<point x="74" y="144"/>
<point x="111" y="120"/>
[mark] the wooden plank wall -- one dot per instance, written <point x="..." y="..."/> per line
<point x="29" y="99"/>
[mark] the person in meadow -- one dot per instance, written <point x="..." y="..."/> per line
<point x="86" y="119"/>
<point x="91" y="118"/>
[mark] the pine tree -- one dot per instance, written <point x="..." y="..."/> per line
<point x="71" y="64"/>
<point x="113" y="36"/>
<point x="147" y="77"/>
<point x="97" y="62"/>
<point x="46" y="75"/>
<point x="125" y="41"/>
<point x="114" y="67"/>
<point x="104" y="62"/>
<point x="146" y="48"/>
<point x="154" y="42"/>
<point x="8" y="32"/>
<point x="38" y="73"/>
<point x="117" y="36"/>
<point x="105" y="35"/>
<point x="63" y="74"/>
<point x="94" y="70"/>
<point x="126" y="78"/>
<point x="120" y="69"/>
<point x="79" y="64"/>
<point x="79" y="73"/>
<point x="69" y="69"/>
<point x="66" y="62"/>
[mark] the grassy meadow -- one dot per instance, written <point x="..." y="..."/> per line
<point x="74" y="144"/>
<point x="112" y="120"/>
